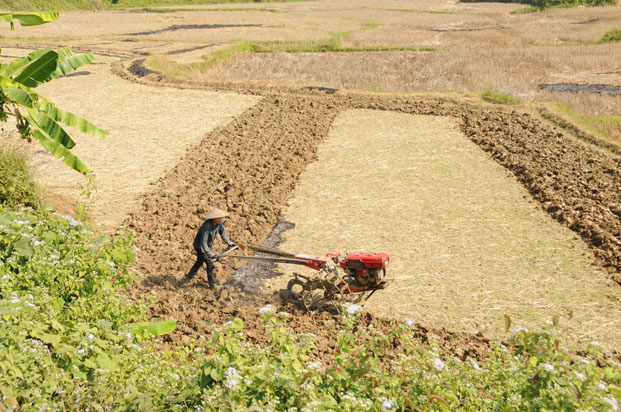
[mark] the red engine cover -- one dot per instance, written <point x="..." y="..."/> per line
<point x="365" y="260"/>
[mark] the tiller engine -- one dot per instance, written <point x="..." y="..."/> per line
<point x="361" y="274"/>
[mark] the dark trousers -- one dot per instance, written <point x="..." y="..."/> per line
<point x="200" y="259"/>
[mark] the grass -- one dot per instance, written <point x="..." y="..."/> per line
<point x="63" y="5"/>
<point x="424" y="11"/>
<point x="495" y="96"/>
<point x="175" y="10"/>
<point x="17" y="184"/>
<point x="602" y="125"/>
<point x="613" y="36"/>
<point x="526" y="10"/>
<point x="549" y="4"/>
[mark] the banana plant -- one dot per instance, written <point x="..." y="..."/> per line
<point x="37" y="117"/>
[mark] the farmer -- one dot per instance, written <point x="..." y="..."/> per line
<point x="203" y="241"/>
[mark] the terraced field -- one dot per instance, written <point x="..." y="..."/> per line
<point x="485" y="210"/>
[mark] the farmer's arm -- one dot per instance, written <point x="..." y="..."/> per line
<point x="224" y="235"/>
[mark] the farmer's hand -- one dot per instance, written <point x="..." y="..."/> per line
<point x="211" y="255"/>
<point x="231" y="244"/>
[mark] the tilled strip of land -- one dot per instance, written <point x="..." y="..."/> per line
<point x="250" y="165"/>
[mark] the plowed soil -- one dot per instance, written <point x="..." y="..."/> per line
<point x="251" y="165"/>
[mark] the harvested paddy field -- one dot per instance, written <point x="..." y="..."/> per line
<point x="149" y="130"/>
<point x="485" y="210"/>
<point x="468" y="244"/>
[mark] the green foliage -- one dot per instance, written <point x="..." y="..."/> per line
<point x="495" y="96"/>
<point x="65" y="337"/>
<point x="29" y="19"/>
<point x="32" y="5"/>
<point x="39" y="118"/>
<point x="17" y="185"/>
<point x="148" y="330"/>
<point x="375" y="371"/>
<point x="612" y="36"/>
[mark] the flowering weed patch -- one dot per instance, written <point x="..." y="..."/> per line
<point x="372" y="371"/>
<point x="65" y="338"/>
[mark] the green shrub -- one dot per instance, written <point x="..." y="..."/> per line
<point x="65" y="342"/>
<point x="612" y="36"/>
<point x="498" y="97"/>
<point x="387" y="371"/>
<point x="17" y="186"/>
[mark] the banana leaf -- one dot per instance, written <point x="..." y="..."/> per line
<point x="70" y="119"/>
<point x="51" y="128"/>
<point x="69" y="65"/>
<point x="60" y="151"/>
<point x="16" y="66"/>
<point x="35" y="72"/>
<point x="30" y="19"/>
<point x="19" y="96"/>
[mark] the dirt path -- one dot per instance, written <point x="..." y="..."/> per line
<point x="149" y="131"/>
<point x="468" y="244"/>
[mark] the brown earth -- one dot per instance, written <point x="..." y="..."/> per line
<point x="251" y="165"/>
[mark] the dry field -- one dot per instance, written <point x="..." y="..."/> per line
<point x="529" y="226"/>
<point x="149" y="130"/>
<point x="468" y="244"/>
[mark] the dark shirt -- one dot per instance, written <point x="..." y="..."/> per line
<point x="206" y="235"/>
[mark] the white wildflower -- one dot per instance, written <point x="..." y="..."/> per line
<point x="475" y="365"/>
<point x="111" y="264"/>
<point x="19" y="222"/>
<point x="5" y="277"/>
<point x="71" y="221"/>
<point x="71" y="261"/>
<point x="82" y="351"/>
<point x="597" y="344"/>
<point x="409" y="322"/>
<point x="612" y="401"/>
<point x="548" y="367"/>
<point x="580" y="376"/>
<point x="267" y="309"/>
<point x="232" y="378"/>
<point x="388" y="405"/>
<point x="314" y="365"/>
<point x="353" y="309"/>
<point x="518" y="329"/>
<point x="438" y="364"/>
<point x="198" y="409"/>
<point x="91" y="336"/>
<point x="283" y="313"/>
<point x="585" y="361"/>
<point x="129" y="336"/>
<point x="602" y="386"/>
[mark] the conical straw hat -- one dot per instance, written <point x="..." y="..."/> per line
<point x="215" y="213"/>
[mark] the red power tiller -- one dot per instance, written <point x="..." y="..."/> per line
<point x="363" y="273"/>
